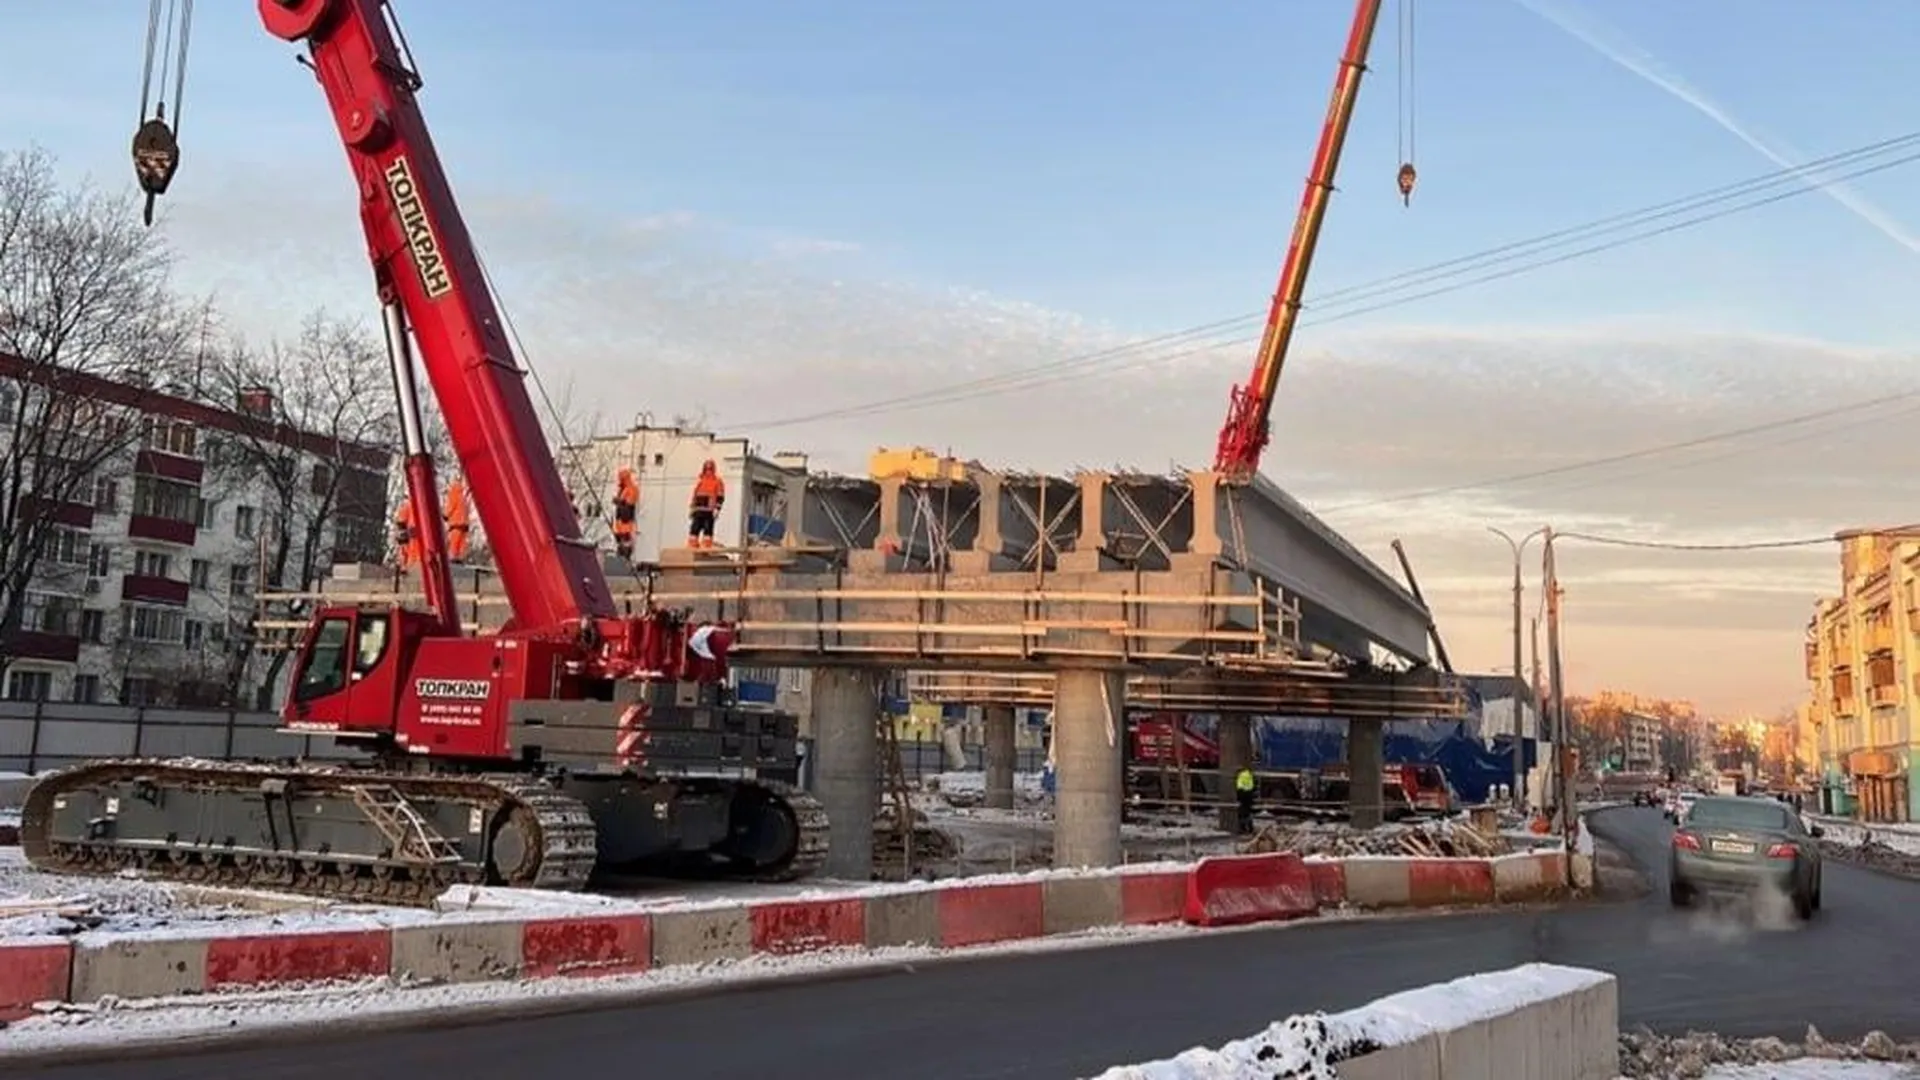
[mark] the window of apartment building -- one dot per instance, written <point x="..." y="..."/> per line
<point x="64" y="546"/>
<point x="139" y="690"/>
<point x="246" y="522"/>
<point x="151" y="624"/>
<point x="93" y="626"/>
<point x="49" y="613"/>
<point x="99" y="560"/>
<point x="322" y="479"/>
<point x="172" y="436"/>
<point x="106" y="494"/>
<point x="29" y="685"/>
<point x="209" y="511"/>
<point x="152" y="564"/>
<point x="359" y="539"/>
<point x="170" y="500"/>
<point x="195" y="634"/>
<point x="202" y="574"/>
<point x="86" y="689"/>
<point x="239" y="579"/>
<point x="9" y="402"/>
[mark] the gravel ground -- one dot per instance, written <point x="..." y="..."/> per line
<point x="1646" y="1056"/>
<point x="36" y="904"/>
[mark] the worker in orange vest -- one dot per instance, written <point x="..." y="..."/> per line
<point x="709" y="495"/>
<point x="406" y="539"/>
<point x="458" y="524"/>
<point x="626" y="504"/>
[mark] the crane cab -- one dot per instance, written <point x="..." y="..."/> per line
<point x="346" y="679"/>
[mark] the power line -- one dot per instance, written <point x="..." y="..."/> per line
<point x="1659" y="545"/>
<point x="1508" y="479"/>
<point x="1351" y="296"/>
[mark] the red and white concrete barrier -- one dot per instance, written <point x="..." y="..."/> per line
<point x="478" y="946"/>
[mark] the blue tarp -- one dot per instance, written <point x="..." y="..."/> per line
<point x="1472" y="766"/>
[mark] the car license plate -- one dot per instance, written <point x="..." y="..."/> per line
<point x="1732" y="847"/>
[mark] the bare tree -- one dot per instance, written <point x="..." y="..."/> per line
<point x="316" y="452"/>
<point x="89" y="328"/>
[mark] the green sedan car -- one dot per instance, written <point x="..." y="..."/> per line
<point x="1734" y="844"/>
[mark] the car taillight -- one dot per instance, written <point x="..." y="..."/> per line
<point x="1783" y="851"/>
<point x="1686" y="840"/>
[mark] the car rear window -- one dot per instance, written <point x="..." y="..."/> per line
<point x="1738" y="814"/>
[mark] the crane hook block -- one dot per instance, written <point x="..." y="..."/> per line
<point x="156" y="156"/>
<point x="1407" y="176"/>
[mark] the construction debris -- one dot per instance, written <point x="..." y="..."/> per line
<point x="1647" y="1056"/>
<point x="1439" y="839"/>
<point x="899" y="855"/>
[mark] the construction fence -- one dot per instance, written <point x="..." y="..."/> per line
<point x="37" y="736"/>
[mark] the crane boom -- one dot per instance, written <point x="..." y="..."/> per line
<point x="1250" y="409"/>
<point x="425" y="266"/>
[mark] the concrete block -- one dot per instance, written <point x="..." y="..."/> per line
<point x="1553" y="1027"/>
<point x="139" y="969"/>
<point x="1376" y="883"/>
<point x="1467" y="1050"/>
<point x="1081" y="903"/>
<point x="911" y="918"/>
<point x="1582" y="866"/>
<point x="1513" y="1042"/>
<point x="1417" y="1060"/>
<point x="1596" y="1031"/>
<point x="32" y="972"/>
<point x="458" y="952"/>
<point x="282" y="959"/>
<point x="698" y="937"/>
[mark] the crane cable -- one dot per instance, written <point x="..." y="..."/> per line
<point x="156" y="144"/>
<point x="1405" y="108"/>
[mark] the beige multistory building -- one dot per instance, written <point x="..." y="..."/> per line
<point x="1863" y="667"/>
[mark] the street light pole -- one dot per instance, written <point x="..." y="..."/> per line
<point x="1519" y="548"/>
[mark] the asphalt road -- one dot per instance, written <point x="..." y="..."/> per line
<point x="1069" y="1014"/>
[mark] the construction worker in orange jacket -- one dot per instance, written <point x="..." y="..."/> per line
<point x="406" y="539"/>
<point x="709" y="495"/>
<point x="459" y="525"/>
<point x="626" y="503"/>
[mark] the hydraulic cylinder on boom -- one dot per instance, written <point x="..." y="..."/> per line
<point x="578" y="735"/>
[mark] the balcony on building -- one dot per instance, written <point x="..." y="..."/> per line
<point x="165" y="508"/>
<point x="1886" y="694"/>
<point x="49" y="629"/>
<point x="146" y="588"/>
<point x="71" y="515"/>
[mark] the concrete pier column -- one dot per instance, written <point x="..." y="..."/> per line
<point x="1366" y="770"/>
<point x="1089" y="729"/>
<point x="1236" y="749"/>
<point x="1000" y="755"/>
<point x="846" y="722"/>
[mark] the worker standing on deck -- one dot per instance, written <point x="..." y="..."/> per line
<point x="1243" y="785"/>
<point x="406" y="544"/>
<point x="459" y="524"/>
<point x="626" y="502"/>
<point x="709" y="495"/>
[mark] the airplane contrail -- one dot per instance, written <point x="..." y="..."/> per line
<point x="1621" y="50"/>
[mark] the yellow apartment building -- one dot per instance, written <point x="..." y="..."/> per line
<point x="1863" y="667"/>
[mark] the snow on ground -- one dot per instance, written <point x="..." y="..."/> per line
<point x="128" y="1024"/>
<point x="1815" y="1069"/>
<point x="1904" y="837"/>
<point x="1308" y="1046"/>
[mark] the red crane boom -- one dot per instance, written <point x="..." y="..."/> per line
<point x="1244" y="436"/>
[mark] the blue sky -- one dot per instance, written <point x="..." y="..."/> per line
<point x="755" y="209"/>
<point x="1133" y="162"/>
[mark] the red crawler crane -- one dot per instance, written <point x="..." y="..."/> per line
<point x="576" y="736"/>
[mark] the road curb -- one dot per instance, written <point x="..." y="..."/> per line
<point x="963" y="914"/>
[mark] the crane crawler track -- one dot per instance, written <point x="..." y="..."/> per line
<point x="811" y="836"/>
<point x="333" y="832"/>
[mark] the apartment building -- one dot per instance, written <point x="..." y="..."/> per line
<point x="1640" y="737"/>
<point x="1863" y="669"/>
<point x="145" y="589"/>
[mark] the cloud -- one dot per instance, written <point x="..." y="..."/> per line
<point x="674" y="314"/>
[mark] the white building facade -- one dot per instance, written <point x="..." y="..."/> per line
<point x="145" y="593"/>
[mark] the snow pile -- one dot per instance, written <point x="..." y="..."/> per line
<point x="1646" y="1056"/>
<point x="1308" y="1047"/>
<point x="34" y="904"/>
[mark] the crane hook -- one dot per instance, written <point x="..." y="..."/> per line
<point x="156" y="156"/>
<point x="1407" y="176"/>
